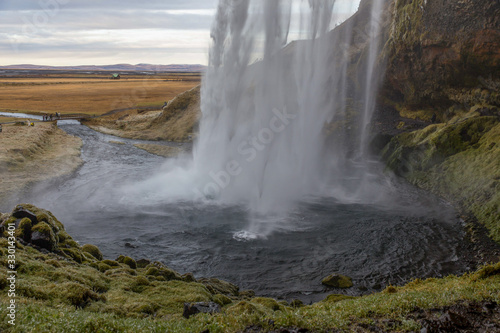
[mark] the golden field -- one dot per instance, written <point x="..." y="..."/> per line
<point x="90" y="93"/>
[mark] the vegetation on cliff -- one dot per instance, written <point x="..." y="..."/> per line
<point x="444" y="69"/>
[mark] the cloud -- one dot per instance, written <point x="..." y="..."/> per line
<point x="156" y="31"/>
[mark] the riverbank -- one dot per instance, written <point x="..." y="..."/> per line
<point x="178" y="121"/>
<point x="65" y="287"/>
<point x="30" y="154"/>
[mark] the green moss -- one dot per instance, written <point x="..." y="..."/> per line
<point x="152" y="271"/>
<point x="337" y="298"/>
<point x="222" y="299"/>
<point x="77" y="294"/>
<point x="111" y="263"/>
<point x="296" y="303"/>
<point x="244" y="308"/>
<point x="216" y="286"/>
<point x="337" y="281"/>
<point x="488" y="271"/>
<point x="74" y="254"/>
<point x="130" y="262"/>
<point x="24" y="229"/>
<point x="92" y="250"/>
<point x="49" y="242"/>
<point x="103" y="267"/>
<point x="457" y="160"/>
<point x="62" y="236"/>
<point x="267" y="303"/>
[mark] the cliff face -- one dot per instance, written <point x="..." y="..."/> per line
<point x="438" y="47"/>
<point x="444" y="68"/>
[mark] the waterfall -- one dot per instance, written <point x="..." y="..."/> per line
<point x="286" y="119"/>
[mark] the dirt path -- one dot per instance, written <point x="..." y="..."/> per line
<point x="32" y="154"/>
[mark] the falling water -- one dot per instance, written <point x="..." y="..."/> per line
<point x="282" y="121"/>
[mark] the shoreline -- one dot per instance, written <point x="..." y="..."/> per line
<point x="30" y="154"/>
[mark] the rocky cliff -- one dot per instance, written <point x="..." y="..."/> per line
<point x="444" y="71"/>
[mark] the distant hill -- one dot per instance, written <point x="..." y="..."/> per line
<point x="117" y="68"/>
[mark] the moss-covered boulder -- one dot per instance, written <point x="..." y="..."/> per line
<point x="130" y="262"/>
<point x="337" y="281"/>
<point x="216" y="286"/>
<point x="43" y="236"/>
<point x="93" y="251"/>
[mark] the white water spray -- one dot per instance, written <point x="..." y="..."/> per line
<point x="286" y="104"/>
<point x="262" y="136"/>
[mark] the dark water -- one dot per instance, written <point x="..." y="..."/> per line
<point x="418" y="236"/>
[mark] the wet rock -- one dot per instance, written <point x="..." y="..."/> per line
<point x="191" y="309"/>
<point x="337" y="281"/>
<point x="130" y="246"/>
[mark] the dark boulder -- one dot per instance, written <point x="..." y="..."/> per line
<point x="43" y="236"/>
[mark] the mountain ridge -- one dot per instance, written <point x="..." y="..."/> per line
<point x="114" y="67"/>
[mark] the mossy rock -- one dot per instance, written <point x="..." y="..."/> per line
<point x="103" y="267"/>
<point x="337" y="281"/>
<point x="111" y="263"/>
<point x="37" y="215"/>
<point x="267" y="303"/>
<point x="222" y="299"/>
<point x="24" y="229"/>
<point x="43" y="236"/>
<point x="140" y="284"/>
<point x="93" y="251"/>
<point x="143" y="263"/>
<point x="130" y="262"/>
<point x="121" y="271"/>
<point x="62" y="236"/>
<point x="248" y="294"/>
<point x="78" y="295"/>
<point x="152" y="271"/>
<point x="216" y="286"/>
<point x="69" y="244"/>
<point x="74" y="254"/>
<point x="488" y="271"/>
<point x="188" y="277"/>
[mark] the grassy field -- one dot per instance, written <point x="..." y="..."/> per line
<point x="90" y="94"/>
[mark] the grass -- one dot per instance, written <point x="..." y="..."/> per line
<point x="88" y="94"/>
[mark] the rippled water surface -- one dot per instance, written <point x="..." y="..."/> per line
<point x="418" y="236"/>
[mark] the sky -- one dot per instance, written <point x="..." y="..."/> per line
<point x="104" y="32"/>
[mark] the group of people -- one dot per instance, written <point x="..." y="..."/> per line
<point x="50" y="117"/>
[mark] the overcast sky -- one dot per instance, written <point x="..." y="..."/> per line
<point x="103" y="32"/>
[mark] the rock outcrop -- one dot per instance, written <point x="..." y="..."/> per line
<point x="442" y="94"/>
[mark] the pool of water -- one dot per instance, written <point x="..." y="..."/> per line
<point x="416" y="235"/>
